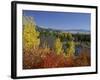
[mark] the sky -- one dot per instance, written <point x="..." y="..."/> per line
<point x="60" y="20"/>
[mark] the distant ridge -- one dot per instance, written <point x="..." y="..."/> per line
<point x="74" y="31"/>
<point x="78" y="31"/>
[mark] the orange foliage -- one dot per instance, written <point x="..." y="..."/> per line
<point x="41" y="58"/>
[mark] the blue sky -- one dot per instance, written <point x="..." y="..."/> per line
<point x="60" y="20"/>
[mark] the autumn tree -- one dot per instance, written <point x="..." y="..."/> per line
<point x="70" y="45"/>
<point x="70" y="48"/>
<point x="69" y="37"/>
<point x="58" y="46"/>
<point x="30" y="34"/>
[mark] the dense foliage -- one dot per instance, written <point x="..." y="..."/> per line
<point x="47" y="48"/>
<point x="58" y="46"/>
<point x="30" y="36"/>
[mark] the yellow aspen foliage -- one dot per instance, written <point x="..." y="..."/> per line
<point x="30" y="36"/>
<point x="58" y="46"/>
<point x="70" y="48"/>
<point x="69" y="37"/>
